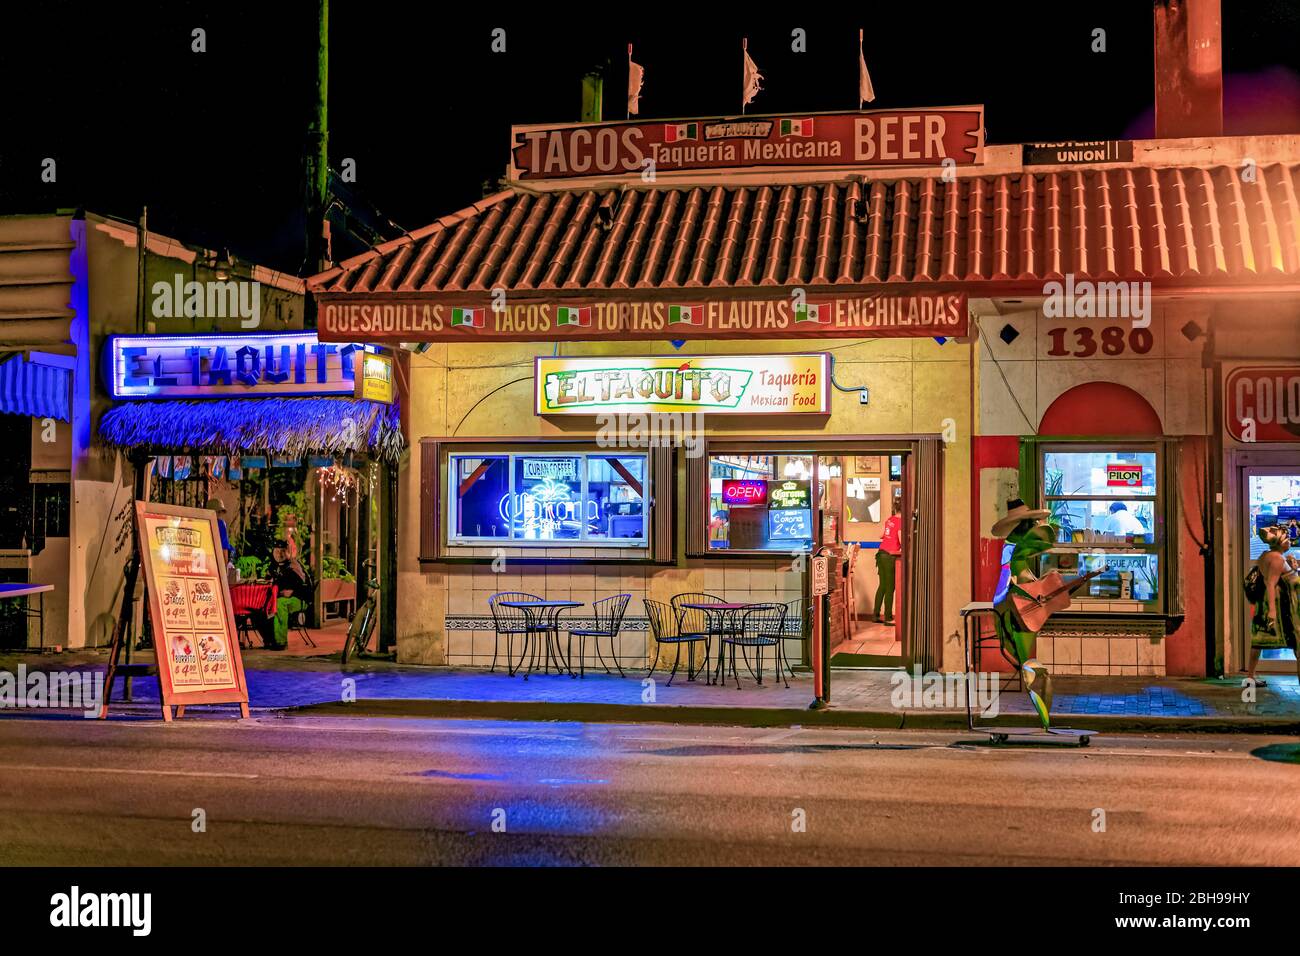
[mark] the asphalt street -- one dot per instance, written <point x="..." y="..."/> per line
<point x="280" y="790"/>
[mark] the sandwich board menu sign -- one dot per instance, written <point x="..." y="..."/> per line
<point x="193" y="623"/>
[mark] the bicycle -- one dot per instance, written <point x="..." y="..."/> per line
<point x="362" y="625"/>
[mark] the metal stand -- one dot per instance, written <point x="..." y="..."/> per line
<point x="999" y="735"/>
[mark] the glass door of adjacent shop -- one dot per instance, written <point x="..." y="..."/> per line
<point x="1270" y="497"/>
<point x="861" y="502"/>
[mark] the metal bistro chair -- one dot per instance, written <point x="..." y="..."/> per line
<point x="799" y="619"/>
<point x="609" y="618"/>
<point x="701" y="624"/>
<point x="510" y="621"/>
<point x="761" y="625"/>
<point x="298" y="618"/>
<point x="663" y="628"/>
<point x="245" y="626"/>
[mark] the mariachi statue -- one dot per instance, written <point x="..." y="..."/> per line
<point x="1026" y="537"/>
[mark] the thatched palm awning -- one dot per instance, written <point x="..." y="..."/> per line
<point x="284" y="427"/>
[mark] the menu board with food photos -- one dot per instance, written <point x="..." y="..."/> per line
<point x="193" y="623"/>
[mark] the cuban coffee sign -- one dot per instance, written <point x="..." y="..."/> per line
<point x="1262" y="403"/>
<point x="247" y="365"/>
<point x="899" y="137"/>
<point x="344" y="317"/>
<point x="717" y="384"/>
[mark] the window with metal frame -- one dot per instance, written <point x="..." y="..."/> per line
<point x="1107" y="501"/>
<point x="548" y="497"/>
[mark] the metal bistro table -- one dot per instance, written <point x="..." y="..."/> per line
<point x="15" y="590"/>
<point x="722" y="620"/>
<point x="543" y="619"/>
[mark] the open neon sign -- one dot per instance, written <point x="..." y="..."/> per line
<point x="744" y="491"/>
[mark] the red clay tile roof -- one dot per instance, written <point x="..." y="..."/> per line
<point x="1175" y="225"/>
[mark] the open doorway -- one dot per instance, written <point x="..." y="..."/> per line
<point x="861" y="513"/>
<point x="1271" y="497"/>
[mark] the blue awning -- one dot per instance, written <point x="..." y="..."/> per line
<point x="35" y="389"/>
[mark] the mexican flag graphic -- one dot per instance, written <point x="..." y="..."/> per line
<point x="468" y="318"/>
<point x="796" y="127"/>
<point x="566" y="315"/>
<point x="673" y="134"/>
<point x="686" y="315"/>
<point x="812" y="313"/>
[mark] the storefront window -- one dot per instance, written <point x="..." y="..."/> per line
<point x="1274" y="500"/>
<point x="548" y="498"/>
<point x="760" y="503"/>
<point x="1106" y="506"/>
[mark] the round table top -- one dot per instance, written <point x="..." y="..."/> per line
<point x="540" y="603"/>
<point x="11" y="589"/>
<point x="719" y="605"/>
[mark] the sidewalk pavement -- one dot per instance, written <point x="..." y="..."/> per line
<point x="859" y="698"/>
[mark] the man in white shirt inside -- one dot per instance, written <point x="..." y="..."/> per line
<point x="1121" y="521"/>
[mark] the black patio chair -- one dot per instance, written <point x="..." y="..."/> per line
<point x="798" y="624"/>
<point x="663" y="628"/>
<point x="510" y="621"/>
<point x="691" y="620"/>
<point x="609" y="618"/>
<point x="760" y="626"/>
<point x="298" y="618"/>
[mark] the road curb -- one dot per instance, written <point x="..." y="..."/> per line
<point x="583" y="712"/>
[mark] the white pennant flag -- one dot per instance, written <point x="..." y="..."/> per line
<point x="865" y="93"/>
<point x="752" y="78"/>
<point x="635" y="77"/>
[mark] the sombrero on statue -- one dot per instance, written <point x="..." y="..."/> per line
<point x="1017" y="511"/>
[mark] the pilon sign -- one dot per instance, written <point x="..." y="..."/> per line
<point x="906" y="137"/>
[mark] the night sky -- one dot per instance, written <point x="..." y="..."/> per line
<point x="212" y="142"/>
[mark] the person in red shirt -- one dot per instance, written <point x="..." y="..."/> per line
<point x="891" y="547"/>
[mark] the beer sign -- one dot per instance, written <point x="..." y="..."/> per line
<point x="900" y="137"/>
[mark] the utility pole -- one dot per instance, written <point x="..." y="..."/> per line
<point x="317" y="157"/>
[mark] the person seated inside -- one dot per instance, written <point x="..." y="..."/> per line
<point x="294" y="592"/>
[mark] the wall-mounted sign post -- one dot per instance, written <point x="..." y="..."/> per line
<point x="375" y="383"/>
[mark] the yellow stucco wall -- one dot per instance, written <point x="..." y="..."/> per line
<point x="470" y="390"/>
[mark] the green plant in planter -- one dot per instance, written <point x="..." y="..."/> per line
<point x="252" y="567"/>
<point x="1059" y="511"/>
<point x="300" y="508"/>
<point x="333" y="567"/>
<point x="1149" y="579"/>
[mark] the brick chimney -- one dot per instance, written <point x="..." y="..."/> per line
<point x="1189" y="68"/>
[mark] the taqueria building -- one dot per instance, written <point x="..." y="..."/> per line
<point x="863" y="328"/>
